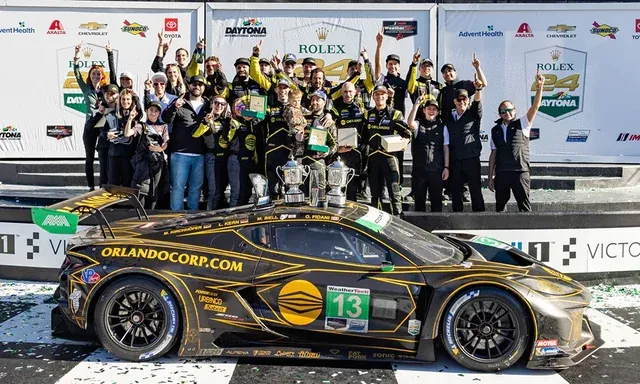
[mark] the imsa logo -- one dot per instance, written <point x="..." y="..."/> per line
<point x="56" y="221"/>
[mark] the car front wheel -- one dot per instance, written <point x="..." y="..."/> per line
<point x="486" y="329"/>
<point x="137" y="319"/>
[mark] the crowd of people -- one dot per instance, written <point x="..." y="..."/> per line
<point x="190" y="133"/>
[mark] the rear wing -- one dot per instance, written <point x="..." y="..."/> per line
<point x="63" y="217"/>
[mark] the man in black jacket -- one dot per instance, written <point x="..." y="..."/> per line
<point x="509" y="160"/>
<point x="187" y="153"/>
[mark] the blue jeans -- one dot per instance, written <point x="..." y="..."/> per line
<point x="186" y="168"/>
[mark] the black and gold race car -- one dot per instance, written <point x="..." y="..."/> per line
<point x="296" y="281"/>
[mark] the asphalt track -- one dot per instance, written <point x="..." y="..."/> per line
<point x="28" y="354"/>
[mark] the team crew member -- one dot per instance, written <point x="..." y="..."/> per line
<point x="509" y="160"/>
<point x="148" y="161"/>
<point x="348" y="112"/>
<point x="464" y="136"/>
<point x="216" y="79"/>
<point x="431" y="153"/>
<point x="276" y="137"/>
<point x="187" y="153"/>
<point x="242" y="85"/>
<point x="122" y="148"/>
<point x="308" y="66"/>
<point x="242" y="152"/>
<point x="392" y="79"/>
<point x="216" y="157"/>
<point x="380" y="121"/>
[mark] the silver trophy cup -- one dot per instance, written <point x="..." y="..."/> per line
<point x="293" y="175"/>
<point x="338" y="177"/>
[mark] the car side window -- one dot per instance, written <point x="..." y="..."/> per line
<point x="328" y="241"/>
<point x="256" y="234"/>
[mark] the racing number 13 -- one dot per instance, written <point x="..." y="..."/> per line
<point x="354" y="310"/>
<point x="348" y="303"/>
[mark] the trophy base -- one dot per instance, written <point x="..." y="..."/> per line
<point x="293" y="198"/>
<point x="337" y="201"/>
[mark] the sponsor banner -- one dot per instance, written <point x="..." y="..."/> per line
<point x="27" y="245"/>
<point x="570" y="44"/>
<point x="588" y="250"/>
<point x="333" y="39"/>
<point x="51" y="32"/>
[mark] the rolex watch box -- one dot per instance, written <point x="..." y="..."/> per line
<point x="318" y="140"/>
<point x="394" y="143"/>
<point x="348" y="137"/>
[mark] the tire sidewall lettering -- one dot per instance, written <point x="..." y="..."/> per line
<point x="451" y="315"/>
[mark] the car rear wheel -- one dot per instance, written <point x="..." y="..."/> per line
<point x="486" y="329"/>
<point x="137" y="319"/>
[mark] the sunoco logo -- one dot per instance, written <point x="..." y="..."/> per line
<point x="249" y="28"/>
<point x="10" y="133"/>
<point x="134" y="29"/>
<point x="563" y="90"/>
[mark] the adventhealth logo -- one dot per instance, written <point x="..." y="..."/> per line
<point x="21" y="28"/>
<point x="490" y="32"/>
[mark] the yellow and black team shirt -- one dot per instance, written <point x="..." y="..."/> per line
<point x="242" y="139"/>
<point x="400" y="87"/>
<point x="384" y="122"/>
<point x="276" y="128"/>
<point x="350" y="116"/>
<point x="213" y="135"/>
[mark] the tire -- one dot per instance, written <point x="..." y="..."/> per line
<point x="152" y="314"/>
<point x="467" y="332"/>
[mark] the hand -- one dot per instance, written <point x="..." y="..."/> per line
<point x="101" y="108"/>
<point x="477" y="82"/>
<point x="155" y="148"/>
<point x="147" y="84"/>
<point x="133" y="113"/>
<point x="326" y="120"/>
<point x="160" y="37"/>
<point x="201" y="45"/>
<point x="416" y="56"/>
<point x="275" y="61"/>
<point x="391" y="92"/>
<point x="475" y="62"/>
<point x="445" y="174"/>
<point x="421" y="99"/>
<point x="359" y="70"/>
<point x="492" y="186"/>
<point x="180" y="101"/>
<point x="111" y="135"/>
<point x="108" y="46"/>
<point x="344" y="149"/>
<point x="257" y="49"/>
<point x="539" y="79"/>
<point x="379" y="38"/>
<point x="364" y="54"/>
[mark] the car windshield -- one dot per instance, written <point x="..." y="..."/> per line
<point x="429" y="248"/>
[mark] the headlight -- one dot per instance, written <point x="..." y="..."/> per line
<point x="546" y="286"/>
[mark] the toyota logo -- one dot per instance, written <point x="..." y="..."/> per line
<point x="171" y="24"/>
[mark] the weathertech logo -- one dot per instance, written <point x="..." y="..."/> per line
<point x="629" y="137"/>
<point x="56" y="221"/>
<point x="56" y="28"/>
<point x="524" y="31"/>
<point x="604" y="30"/>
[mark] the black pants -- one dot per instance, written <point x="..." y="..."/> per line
<point x="519" y="183"/>
<point x="427" y="180"/>
<point x="400" y="157"/>
<point x="383" y="170"/>
<point x="239" y="169"/>
<point x="466" y="171"/>
<point x="273" y="159"/>
<point x="90" y="139"/>
<point x="120" y="170"/>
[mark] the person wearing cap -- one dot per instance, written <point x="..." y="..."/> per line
<point x="242" y="84"/>
<point x="509" y="159"/>
<point x="430" y="153"/>
<point x="465" y="147"/>
<point x="149" y="164"/>
<point x="155" y="91"/>
<point x="316" y="159"/>
<point x="187" y="153"/>
<point x="384" y="121"/>
<point x="215" y="77"/>
<point x="308" y="66"/>
<point x="211" y="130"/>
<point x="187" y="67"/>
<point x="267" y="69"/>
<point x="126" y="82"/>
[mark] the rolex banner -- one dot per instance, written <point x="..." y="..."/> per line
<point x="332" y="34"/>
<point x="589" y="96"/>
<point x="43" y="108"/>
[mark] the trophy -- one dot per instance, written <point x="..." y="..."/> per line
<point x="260" y="184"/>
<point x="317" y="185"/>
<point x="293" y="175"/>
<point x="338" y="178"/>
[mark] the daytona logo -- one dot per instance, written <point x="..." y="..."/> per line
<point x="56" y="221"/>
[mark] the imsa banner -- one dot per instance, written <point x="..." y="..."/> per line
<point x="589" y="92"/>
<point x="43" y="111"/>
<point x="317" y="30"/>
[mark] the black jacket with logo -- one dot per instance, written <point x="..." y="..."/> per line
<point x="384" y="122"/>
<point x="185" y="121"/>
<point x="513" y="154"/>
<point x="428" y="143"/>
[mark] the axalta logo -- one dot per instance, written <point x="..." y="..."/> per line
<point x="10" y="133"/>
<point x="135" y="29"/>
<point x="56" y="28"/>
<point x="92" y="28"/>
<point x="563" y="90"/>
<point x="524" y="31"/>
<point x="490" y="32"/>
<point x="629" y="137"/>
<point x="56" y="221"/>
<point x="248" y="28"/>
<point x="171" y="25"/>
<point x="604" y="30"/>
<point x="20" y="29"/>
<point x="560" y="31"/>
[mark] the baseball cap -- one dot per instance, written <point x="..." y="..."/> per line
<point x="426" y="61"/>
<point x="283" y="82"/>
<point x="264" y="60"/>
<point x="319" y="94"/>
<point x="111" y="88"/>
<point x="241" y="60"/>
<point x="393" y="57"/>
<point x="379" y="88"/>
<point x="198" y="79"/>
<point x="159" y="76"/>
<point x="461" y="92"/>
<point x="155" y="104"/>
<point x="353" y="63"/>
<point x="430" y="102"/>
<point x="289" y="57"/>
<point x="309" y="60"/>
<point x="126" y="75"/>
<point x="448" y="65"/>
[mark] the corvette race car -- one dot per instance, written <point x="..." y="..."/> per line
<point x="285" y="280"/>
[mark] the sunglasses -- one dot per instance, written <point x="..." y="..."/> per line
<point x="210" y="66"/>
<point x="506" y="110"/>
<point x="158" y="83"/>
<point x="220" y="103"/>
<point x="461" y="99"/>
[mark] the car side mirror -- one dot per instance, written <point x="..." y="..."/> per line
<point x="387" y="266"/>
